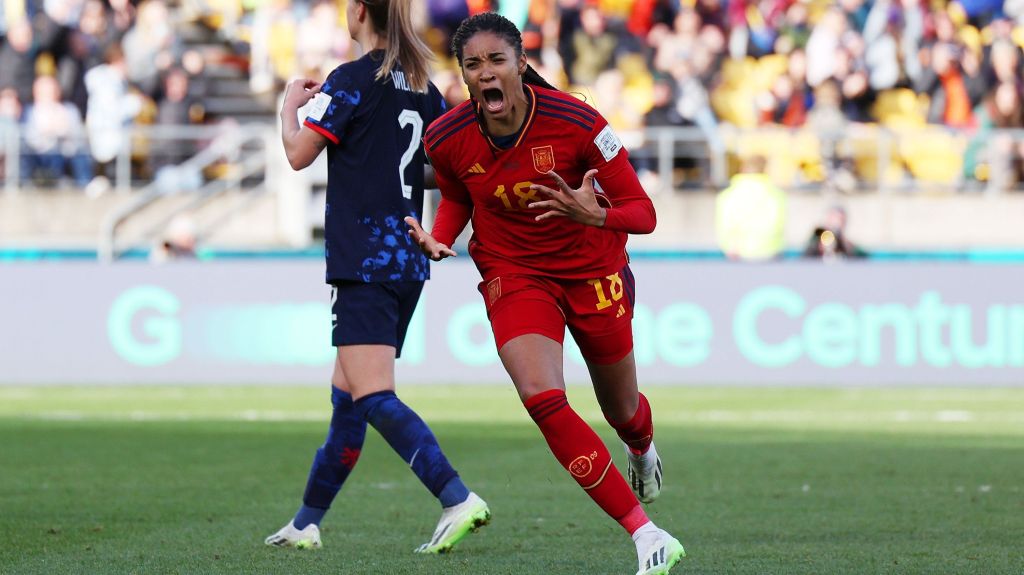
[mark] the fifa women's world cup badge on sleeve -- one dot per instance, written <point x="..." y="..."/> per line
<point x="608" y="143"/>
<point x="543" y="159"/>
<point x="318" y="106"/>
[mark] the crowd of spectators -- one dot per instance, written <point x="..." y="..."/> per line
<point x="839" y="71"/>
<point x="75" y="73"/>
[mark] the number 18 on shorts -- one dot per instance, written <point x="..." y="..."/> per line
<point x="597" y="311"/>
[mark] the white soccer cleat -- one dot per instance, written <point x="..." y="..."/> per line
<point x="657" y="551"/>
<point x="289" y="536"/>
<point x="645" y="474"/>
<point x="456" y="522"/>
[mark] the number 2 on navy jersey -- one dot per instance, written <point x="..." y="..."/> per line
<point x="406" y="118"/>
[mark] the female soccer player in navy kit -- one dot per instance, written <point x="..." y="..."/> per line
<point x="551" y="257"/>
<point x="370" y="116"/>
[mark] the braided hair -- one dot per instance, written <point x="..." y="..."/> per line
<point x="503" y="28"/>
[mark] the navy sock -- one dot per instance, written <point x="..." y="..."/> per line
<point x="307" y="515"/>
<point x="410" y="437"/>
<point x="454" y="492"/>
<point x="334" y="460"/>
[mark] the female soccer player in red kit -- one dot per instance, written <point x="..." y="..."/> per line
<point x="551" y="257"/>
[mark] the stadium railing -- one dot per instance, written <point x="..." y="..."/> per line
<point x="231" y="158"/>
<point x="871" y="156"/>
<point x="226" y="158"/>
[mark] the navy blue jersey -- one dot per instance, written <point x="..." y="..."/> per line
<point x="375" y="170"/>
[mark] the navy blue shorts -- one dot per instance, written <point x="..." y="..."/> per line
<point x="372" y="313"/>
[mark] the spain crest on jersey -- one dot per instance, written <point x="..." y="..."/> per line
<point x="543" y="159"/>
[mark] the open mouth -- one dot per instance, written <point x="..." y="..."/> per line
<point x="494" y="100"/>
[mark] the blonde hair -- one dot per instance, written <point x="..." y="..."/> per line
<point x="393" y="18"/>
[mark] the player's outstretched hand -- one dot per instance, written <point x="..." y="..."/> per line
<point x="578" y="205"/>
<point x="434" y="249"/>
<point x="299" y="91"/>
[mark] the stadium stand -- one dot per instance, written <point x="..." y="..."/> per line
<point x="892" y="106"/>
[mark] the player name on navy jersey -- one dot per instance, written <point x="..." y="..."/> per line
<point x="398" y="79"/>
<point x="375" y="159"/>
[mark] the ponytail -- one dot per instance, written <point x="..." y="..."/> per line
<point x="405" y="47"/>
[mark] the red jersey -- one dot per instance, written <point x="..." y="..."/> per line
<point x="491" y="185"/>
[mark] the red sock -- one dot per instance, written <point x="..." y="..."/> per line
<point x="585" y="456"/>
<point x="638" y="432"/>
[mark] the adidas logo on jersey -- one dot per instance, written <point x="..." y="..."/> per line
<point x="621" y="312"/>
<point x="477" y="169"/>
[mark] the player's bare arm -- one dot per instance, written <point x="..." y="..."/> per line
<point x="579" y="205"/>
<point x="434" y="249"/>
<point x="300" y="146"/>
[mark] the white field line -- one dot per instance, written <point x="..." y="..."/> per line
<point x="246" y="415"/>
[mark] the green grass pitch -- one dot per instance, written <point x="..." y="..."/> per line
<point x="788" y="481"/>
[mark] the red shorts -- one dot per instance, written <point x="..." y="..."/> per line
<point x="598" y="312"/>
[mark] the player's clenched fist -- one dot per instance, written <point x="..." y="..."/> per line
<point x="433" y="249"/>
